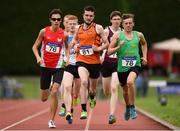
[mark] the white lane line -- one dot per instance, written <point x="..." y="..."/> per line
<point x="25" y="119"/>
<point x="89" y="119"/>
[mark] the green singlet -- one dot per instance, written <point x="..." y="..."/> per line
<point x="128" y="54"/>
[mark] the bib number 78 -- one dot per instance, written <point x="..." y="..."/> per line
<point x="129" y="61"/>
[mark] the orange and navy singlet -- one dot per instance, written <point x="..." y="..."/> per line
<point x="51" y="50"/>
<point x="86" y="39"/>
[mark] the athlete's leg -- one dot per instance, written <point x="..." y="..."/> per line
<point x="54" y="100"/>
<point x="44" y="94"/>
<point x="76" y="87"/>
<point x="62" y="95"/>
<point x="76" y="92"/>
<point x="93" y="85"/>
<point x="130" y="84"/>
<point x="84" y="74"/>
<point x="126" y="94"/>
<point x="62" y="92"/>
<point x="106" y="85"/>
<point x="92" y="92"/>
<point x="114" y="92"/>
<point x="68" y="82"/>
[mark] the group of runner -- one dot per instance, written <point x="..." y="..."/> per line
<point x="71" y="59"/>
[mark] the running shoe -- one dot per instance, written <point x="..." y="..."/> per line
<point x="83" y="115"/>
<point x="127" y="114"/>
<point x="112" y="119"/>
<point x="92" y="102"/>
<point x="62" y="111"/>
<point x="133" y="113"/>
<point x="69" y="118"/>
<point x="51" y="124"/>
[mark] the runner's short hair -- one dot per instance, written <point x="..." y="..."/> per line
<point x="89" y="8"/>
<point x="55" y="11"/>
<point x="126" y="16"/>
<point x="72" y="17"/>
<point x="115" y="13"/>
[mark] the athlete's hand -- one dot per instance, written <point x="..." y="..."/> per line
<point x="39" y="61"/>
<point x="76" y="48"/>
<point x="144" y="61"/>
<point x="95" y="48"/>
<point x="101" y="59"/>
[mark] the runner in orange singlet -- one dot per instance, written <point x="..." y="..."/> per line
<point x="89" y="36"/>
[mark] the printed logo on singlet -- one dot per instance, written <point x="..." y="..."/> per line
<point x="129" y="61"/>
<point x="59" y="39"/>
<point x="90" y="33"/>
<point x="86" y="50"/>
<point x="53" y="47"/>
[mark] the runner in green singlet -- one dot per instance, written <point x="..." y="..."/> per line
<point x="126" y="44"/>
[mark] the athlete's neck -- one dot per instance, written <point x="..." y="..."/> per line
<point x="54" y="28"/>
<point x="86" y="25"/>
<point x="128" y="34"/>
<point x="71" y="32"/>
<point x="115" y="28"/>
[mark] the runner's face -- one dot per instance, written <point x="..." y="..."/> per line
<point x="116" y="21"/>
<point x="72" y="25"/>
<point x="128" y="24"/>
<point x="65" y="23"/>
<point x="55" y="20"/>
<point x="88" y="17"/>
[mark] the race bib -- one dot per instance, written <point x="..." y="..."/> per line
<point x="52" y="47"/>
<point x="86" y="50"/>
<point x="129" y="61"/>
<point x="113" y="55"/>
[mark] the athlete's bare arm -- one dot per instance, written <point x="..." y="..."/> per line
<point x="143" y="48"/>
<point x="112" y="47"/>
<point x="106" y="32"/>
<point x="36" y="46"/>
<point x="100" y="31"/>
<point x="66" y="45"/>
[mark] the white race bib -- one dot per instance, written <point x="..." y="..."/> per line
<point x="86" y="50"/>
<point x="129" y="61"/>
<point x="52" y="47"/>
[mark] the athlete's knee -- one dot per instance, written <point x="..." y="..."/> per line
<point x="55" y="88"/>
<point x="84" y="83"/>
<point x="44" y="95"/>
<point x="106" y="92"/>
<point x="114" y="89"/>
<point x="68" y="88"/>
